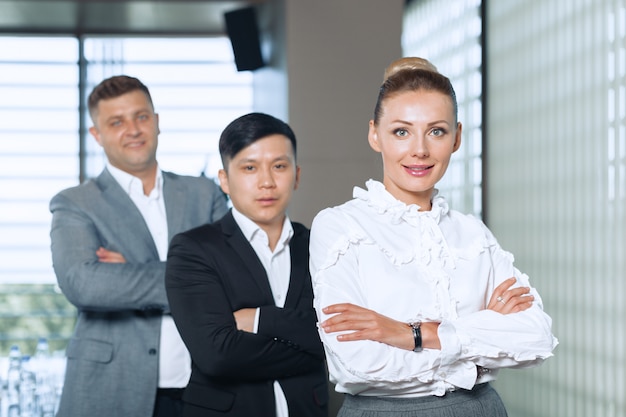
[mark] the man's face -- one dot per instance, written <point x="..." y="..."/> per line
<point x="127" y="128"/>
<point x="261" y="179"/>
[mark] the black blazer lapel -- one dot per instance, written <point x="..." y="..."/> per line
<point x="236" y="239"/>
<point x="299" y="252"/>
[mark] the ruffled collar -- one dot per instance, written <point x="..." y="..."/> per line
<point x="379" y="199"/>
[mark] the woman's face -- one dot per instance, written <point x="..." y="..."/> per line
<point x="416" y="135"/>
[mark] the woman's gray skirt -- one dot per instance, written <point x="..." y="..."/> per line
<point x="481" y="401"/>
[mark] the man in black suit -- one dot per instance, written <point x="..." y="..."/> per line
<point x="240" y="290"/>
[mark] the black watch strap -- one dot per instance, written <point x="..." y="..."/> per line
<point x="416" y="326"/>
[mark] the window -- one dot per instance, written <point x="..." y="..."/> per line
<point x="452" y="41"/>
<point x="195" y="88"/>
<point x="45" y="146"/>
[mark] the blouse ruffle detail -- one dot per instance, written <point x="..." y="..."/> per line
<point x="391" y="237"/>
<point x="381" y="201"/>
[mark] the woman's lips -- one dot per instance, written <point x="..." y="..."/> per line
<point x="418" y="170"/>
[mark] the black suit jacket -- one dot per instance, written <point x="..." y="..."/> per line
<point x="213" y="271"/>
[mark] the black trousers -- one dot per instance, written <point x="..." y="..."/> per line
<point x="168" y="402"/>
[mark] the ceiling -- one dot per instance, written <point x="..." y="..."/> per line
<point x="79" y="17"/>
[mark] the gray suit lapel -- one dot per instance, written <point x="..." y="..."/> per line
<point x="174" y="192"/>
<point x="131" y="225"/>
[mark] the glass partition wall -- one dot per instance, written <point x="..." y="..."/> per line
<point x="452" y="41"/>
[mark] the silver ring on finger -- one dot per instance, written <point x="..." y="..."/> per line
<point x="501" y="299"/>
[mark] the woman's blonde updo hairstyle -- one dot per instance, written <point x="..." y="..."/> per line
<point x="413" y="74"/>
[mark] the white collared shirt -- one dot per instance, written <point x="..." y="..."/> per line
<point x="174" y="358"/>
<point x="278" y="268"/>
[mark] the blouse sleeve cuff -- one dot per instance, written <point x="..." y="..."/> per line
<point x="452" y="344"/>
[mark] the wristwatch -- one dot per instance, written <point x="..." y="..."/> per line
<point x="416" y="326"/>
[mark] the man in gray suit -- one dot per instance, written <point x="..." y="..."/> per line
<point x="109" y="245"/>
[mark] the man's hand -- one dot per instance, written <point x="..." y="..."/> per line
<point x="245" y="319"/>
<point x="108" y="256"/>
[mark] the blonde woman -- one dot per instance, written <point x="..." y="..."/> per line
<point x="419" y="306"/>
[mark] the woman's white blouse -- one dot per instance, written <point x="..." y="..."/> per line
<point x="439" y="265"/>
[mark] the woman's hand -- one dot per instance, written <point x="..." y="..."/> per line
<point x="507" y="301"/>
<point x="369" y="325"/>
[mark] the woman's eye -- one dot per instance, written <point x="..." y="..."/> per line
<point x="401" y="132"/>
<point x="438" y="132"/>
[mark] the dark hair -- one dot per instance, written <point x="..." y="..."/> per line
<point x="413" y="80"/>
<point x="249" y="128"/>
<point x="114" y="87"/>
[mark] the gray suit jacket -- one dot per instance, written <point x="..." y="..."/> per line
<point x="112" y="358"/>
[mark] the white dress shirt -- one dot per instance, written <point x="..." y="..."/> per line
<point x="174" y="358"/>
<point x="277" y="265"/>
<point x="439" y="265"/>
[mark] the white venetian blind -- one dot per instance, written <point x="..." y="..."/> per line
<point x="196" y="90"/>
<point x="557" y="188"/>
<point x="38" y="148"/>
